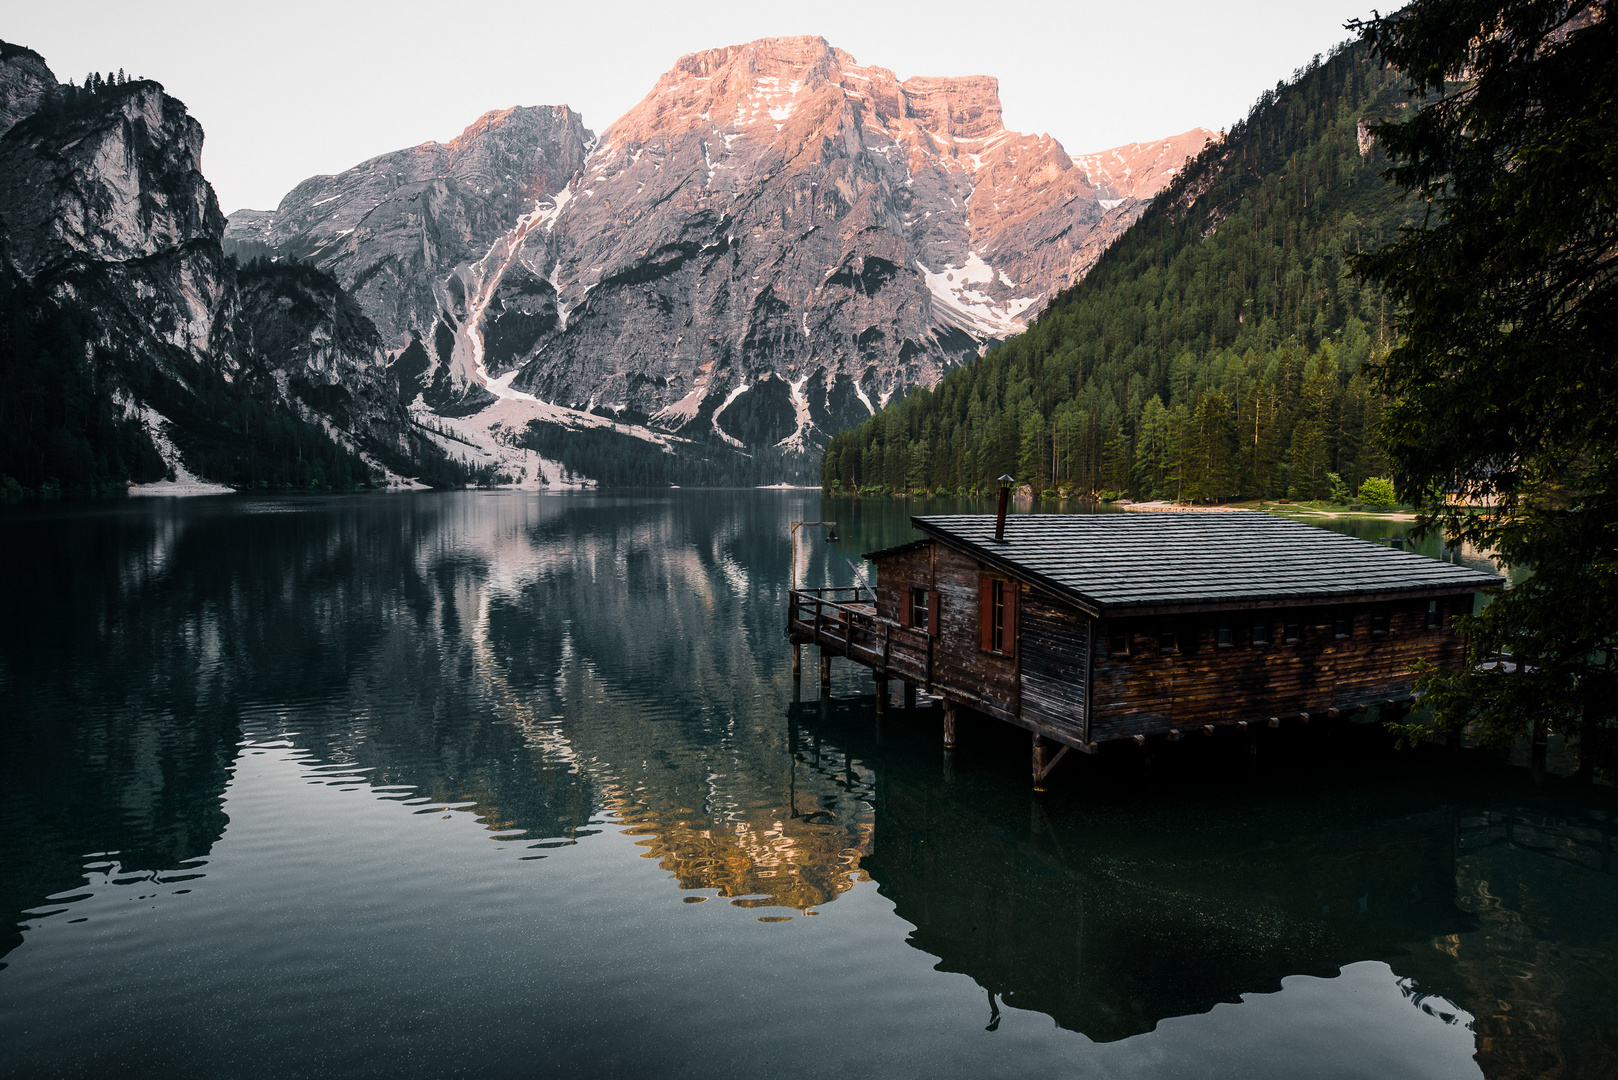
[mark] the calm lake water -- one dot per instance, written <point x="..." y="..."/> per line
<point x="438" y="784"/>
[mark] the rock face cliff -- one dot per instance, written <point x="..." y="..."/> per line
<point x="24" y="81"/>
<point x="392" y="229"/>
<point x="774" y="242"/>
<point x="133" y="348"/>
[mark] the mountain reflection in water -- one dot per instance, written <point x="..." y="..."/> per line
<point x="560" y="667"/>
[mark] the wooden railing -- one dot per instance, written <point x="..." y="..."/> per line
<point x="843" y="623"/>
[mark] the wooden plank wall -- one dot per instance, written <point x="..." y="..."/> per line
<point x="958" y="661"/>
<point x="1148" y="693"/>
<point x="1055" y="643"/>
<point x="896" y="574"/>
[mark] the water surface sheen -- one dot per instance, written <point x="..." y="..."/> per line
<point x="504" y="783"/>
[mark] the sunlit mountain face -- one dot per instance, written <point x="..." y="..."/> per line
<point x="364" y="766"/>
<point x="774" y="242"/>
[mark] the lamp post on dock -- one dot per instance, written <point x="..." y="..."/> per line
<point x="831" y="538"/>
<point x="797" y="649"/>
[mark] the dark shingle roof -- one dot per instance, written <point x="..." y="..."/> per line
<point x="1127" y="561"/>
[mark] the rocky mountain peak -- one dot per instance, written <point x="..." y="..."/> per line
<point x="107" y="177"/>
<point x="111" y="240"/>
<point x="1141" y="170"/>
<point x="965" y="108"/>
<point x="774" y="242"/>
<point x="24" y="80"/>
<point x="782" y="91"/>
<point x="394" y="228"/>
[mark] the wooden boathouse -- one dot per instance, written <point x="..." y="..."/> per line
<point x="1093" y="628"/>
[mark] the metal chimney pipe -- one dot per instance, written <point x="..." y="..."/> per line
<point x="1000" y="518"/>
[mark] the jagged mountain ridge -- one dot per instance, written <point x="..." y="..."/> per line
<point x="393" y="228"/>
<point x="773" y="243"/>
<point x="132" y="347"/>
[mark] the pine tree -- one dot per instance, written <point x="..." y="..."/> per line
<point x="1502" y="381"/>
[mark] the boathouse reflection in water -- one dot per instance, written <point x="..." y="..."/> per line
<point x="1113" y="912"/>
<point x="561" y="667"/>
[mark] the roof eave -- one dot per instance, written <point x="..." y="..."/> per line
<point x="1086" y="604"/>
<point x="872" y="556"/>
<point x="1100" y="608"/>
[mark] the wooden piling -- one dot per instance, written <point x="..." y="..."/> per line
<point x="1537" y="756"/>
<point x="881" y="694"/>
<point x="825" y="671"/>
<point x="1044" y="761"/>
<point x="797" y="660"/>
<point x="1042" y="752"/>
<point x="949" y="724"/>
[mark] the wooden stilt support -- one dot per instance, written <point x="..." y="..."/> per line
<point x="910" y="695"/>
<point x="1275" y="721"/>
<point x="797" y="660"/>
<point x="1044" y="760"/>
<point x="1139" y="740"/>
<point x="949" y="724"/>
<point x="881" y="694"/>
<point x="1541" y="745"/>
<point x="825" y="671"/>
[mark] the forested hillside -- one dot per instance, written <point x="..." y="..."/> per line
<point x="1217" y="350"/>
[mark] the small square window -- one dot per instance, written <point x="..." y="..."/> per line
<point x="1435" y="615"/>
<point x="1379" y="621"/>
<point x="1294" y="631"/>
<point x="919" y="608"/>
<point x="1260" y="632"/>
<point x="1342" y="626"/>
<point x="1117" y="638"/>
<point x="1166" y="640"/>
<point x="1226" y="633"/>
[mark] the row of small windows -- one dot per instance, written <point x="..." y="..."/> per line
<point x="1262" y="628"/>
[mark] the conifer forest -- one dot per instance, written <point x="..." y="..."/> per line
<point x="1219" y="350"/>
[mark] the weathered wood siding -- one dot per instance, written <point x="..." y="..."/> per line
<point x="1055" y="644"/>
<point x="1040" y="685"/>
<point x="1062" y="679"/>
<point x="899" y="572"/>
<point x="1147" y="692"/>
<point x="959" y="663"/>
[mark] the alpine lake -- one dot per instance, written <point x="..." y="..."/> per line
<point x="515" y="784"/>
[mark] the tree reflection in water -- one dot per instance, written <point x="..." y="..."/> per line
<point x="560" y="666"/>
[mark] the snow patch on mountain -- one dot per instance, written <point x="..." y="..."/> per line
<point x="965" y="305"/>
<point x="717" y="413"/>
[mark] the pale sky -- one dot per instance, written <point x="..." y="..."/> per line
<point x="292" y="89"/>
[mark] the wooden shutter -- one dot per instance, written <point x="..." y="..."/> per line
<point x="907" y="596"/>
<point x="932" y="612"/>
<point x="986" y="613"/>
<point x="1008" y="638"/>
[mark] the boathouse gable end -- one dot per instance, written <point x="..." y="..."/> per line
<point x="1129" y="626"/>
